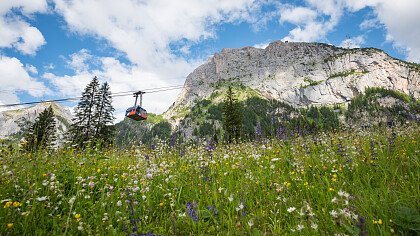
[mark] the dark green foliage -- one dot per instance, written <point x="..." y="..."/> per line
<point x="408" y="220"/>
<point x="321" y="118"/>
<point x="232" y="116"/>
<point x="161" y="130"/>
<point x="41" y="134"/>
<point x="103" y="116"/>
<point x="206" y="129"/>
<point x="130" y="132"/>
<point x="93" y="116"/>
<point x="367" y="104"/>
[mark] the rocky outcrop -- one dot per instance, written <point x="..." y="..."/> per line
<point x="10" y="120"/>
<point x="300" y="74"/>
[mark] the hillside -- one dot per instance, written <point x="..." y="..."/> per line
<point x="11" y="121"/>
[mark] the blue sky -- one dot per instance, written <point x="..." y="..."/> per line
<point x="51" y="49"/>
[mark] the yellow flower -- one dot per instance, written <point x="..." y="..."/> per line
<point x="17" y="204"/>
<point x="10" y="225"/>
<point x="331" y="189"/>
<point x="98" y="170"/>
<point x="44" y="175"/>
<point x="8" y="204"/>
<point x="161" y="204"/>
<point x="77" y="216"/>
<point x="380" y="221"/>
<point x="335" y="176"/>
<point x="334" y="180"/>
<point x="374" y="221"/>
<point x="306" y="184"/>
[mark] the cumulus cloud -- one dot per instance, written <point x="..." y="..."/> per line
<point x="355" y="42"/>
<point x="15" y="31"/>
<point x="145" y="31"/>
<point x="14" y="77"/>
<point x="297" y="15"/>
<point x="317" y="18"/>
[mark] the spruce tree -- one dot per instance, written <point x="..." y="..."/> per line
<point x="83" y="128"/>
<point x="232" y="116"/>
<point x="41" y="133"/>
<point x="103" y="116"/>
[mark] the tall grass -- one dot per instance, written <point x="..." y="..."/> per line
<point x="348" y="183"/>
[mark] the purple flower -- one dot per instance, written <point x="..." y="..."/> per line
<point x="192" y="210"/>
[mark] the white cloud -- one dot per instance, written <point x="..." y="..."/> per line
<point x="120" y="76"/>
<point x="15" y="31"/>
<point x="31" y="69"/>
<point x="297" y="15"/>
<point x="400" y="19"/>
<point x="313" y="22"/>
<point x="145" y="31"/>
<point x="79" y="61"/>
<point x="355" y="42"/>
<point x="370" y="24"/>
<point x="402" y="23"/>
<point x="14" y="77"/>
<point x="261" y="45"/>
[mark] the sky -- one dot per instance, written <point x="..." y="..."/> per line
<point x="51" y="49"/>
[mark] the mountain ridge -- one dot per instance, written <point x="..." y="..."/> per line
<point x="300" y="74"/>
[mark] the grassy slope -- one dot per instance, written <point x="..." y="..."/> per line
<point x="237" y="189"/>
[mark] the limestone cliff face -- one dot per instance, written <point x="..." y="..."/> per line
<point x="300" y="74"/>
<point x="9" y="120"/>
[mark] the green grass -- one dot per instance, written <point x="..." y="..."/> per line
<point x="311" y="82"/>
<point x="337" y="183"/>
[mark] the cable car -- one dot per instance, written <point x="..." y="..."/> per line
<point x="136" y="112"/>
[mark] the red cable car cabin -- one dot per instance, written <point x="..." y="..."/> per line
<point x="136" y="112"/>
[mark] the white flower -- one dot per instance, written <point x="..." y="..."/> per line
<point x="333" y="213"/>
<point x="230" y="198"/>
<point x="291" y="209"/>
<point x="144" y="197"/>
<point x="275" y="159"/>
<point x="119" y="203"/>
<point x="314" y="226"/>
<point x="41" y="199"/>
<point x="300" y="227"/>
<point x="250" y="223"/>
<point x="334" y="200"/>
<point x="240" y="207"/>
<point x="149" y="176"/>
<point x="71" y="201"/>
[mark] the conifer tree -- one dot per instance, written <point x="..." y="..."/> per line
<point x="41" y="133"/>
<point x="232" y="116"/>
<point x="103" y="116"/>
<point x="83" y="128"/>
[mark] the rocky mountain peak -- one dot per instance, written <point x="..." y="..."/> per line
<point x="300" y="74"/>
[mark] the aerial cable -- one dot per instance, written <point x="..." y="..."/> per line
<point x="117" y="94"/>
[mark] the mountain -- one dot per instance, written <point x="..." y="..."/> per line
<point x="298" y="74"/>
<point x="11" y="121"/>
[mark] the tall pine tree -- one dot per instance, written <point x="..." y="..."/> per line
<point x="232" y="116"/>
<point x="104" y="128"/>
<point x="93" y="116"/>
<point x="41" y="133"/>
<point x="82" y="129"/>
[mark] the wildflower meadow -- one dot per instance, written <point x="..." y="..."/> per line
<point x="346" y="183"/>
